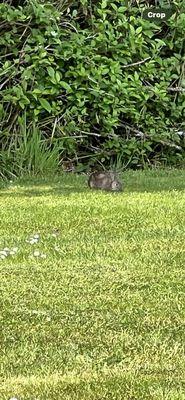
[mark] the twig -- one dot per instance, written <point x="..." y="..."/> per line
<point x="68" y="23"/>
<point x="26" y="28"/>
<point x="170" y="145"/>
<point x="53" y="130"/>
<point x="6" y="55"/>
<point x="91" y="133"/>
<point x="176" y="89"/>
<point x="139" y="133"/>
<point x="146" y="136"/>
<point x="4" y="83"/>
<point x="136" y="63"/>
<point x="91" y="37"/>
<point x="169" y="89"/>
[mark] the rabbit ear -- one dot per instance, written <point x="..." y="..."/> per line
<point x="112" y="175"/>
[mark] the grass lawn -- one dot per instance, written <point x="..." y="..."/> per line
<point x="99" y="313"/>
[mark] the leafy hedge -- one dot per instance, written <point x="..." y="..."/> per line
<point x="105" y="84"/>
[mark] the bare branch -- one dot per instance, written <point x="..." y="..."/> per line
<point x="176" y="89"/>
<point x="136" y="63"/>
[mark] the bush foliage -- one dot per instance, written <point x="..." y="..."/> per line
<point x="100" y="81"/>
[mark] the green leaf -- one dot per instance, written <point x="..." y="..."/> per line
<point x="114" y="6"/>
<point x="45" y="104"/>
<point x="136" y="76"/>
<point x="139" y="29"/>
<point x="122" y="9"/>
<point x="57" y="76"/>
<point x="51" y="72"/>
<point x="66" y="86"/>
<point x="132" y="30"/>
<point x="22" y="105"/>
<point x="27" y="73"/>
<point x="105" y="71"/>
<point x="104" y="4"/>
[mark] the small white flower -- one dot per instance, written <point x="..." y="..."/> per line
<point x="12" y="252"/>
<point x="32" y="241"/>
<point x="15" y="249"/>
<point x="36" y="236"/>
<point x="6" y="249"/>
<point x="2" y="257"/>
<point x="36" y="253"/>
<point x="43" y="255"/>
<point x="13" y="398"/>
<point x="3" y="253"/>
<point x="57" y="248"/>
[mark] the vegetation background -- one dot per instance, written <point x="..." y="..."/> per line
<point x="90" y="83"/>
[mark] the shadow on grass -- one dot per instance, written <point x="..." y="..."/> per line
<point x="43" y="192"/>
<point x="69" y="184"/>
<point x="68" y="192"/>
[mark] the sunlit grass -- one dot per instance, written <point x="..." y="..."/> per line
<point x="101" y="315"/>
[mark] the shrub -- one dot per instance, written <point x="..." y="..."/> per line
<point x="95" y="79"/>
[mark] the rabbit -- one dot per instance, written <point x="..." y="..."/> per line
<point x="104" y="181"/>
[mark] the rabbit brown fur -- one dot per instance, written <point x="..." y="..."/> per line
<point x="104" y="181"/>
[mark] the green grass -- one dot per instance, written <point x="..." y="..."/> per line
<point x="102" y="316"/>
